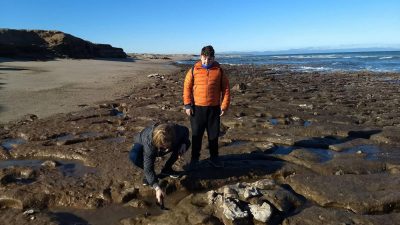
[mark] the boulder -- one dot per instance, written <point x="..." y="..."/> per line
<point x="239" y="87"/>
<point x="233" y="212"/>
<point x="261" y="212"/>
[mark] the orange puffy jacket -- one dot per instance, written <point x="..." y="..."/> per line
<point x="205" y="87"/>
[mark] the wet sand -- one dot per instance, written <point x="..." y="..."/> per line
<point x="45" y="88"/>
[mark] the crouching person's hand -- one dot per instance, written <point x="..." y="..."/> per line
<point x="159" y="195"/>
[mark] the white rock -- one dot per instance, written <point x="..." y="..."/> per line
<point x="339" y="172"/>
<point x="121" y="128"/>
<point x="230" y="192"/>
<point x="239" y="188"/>
<point x="295" y="118"/>
<point x="211" y="195"/>
<point x="251" y="192"/>
<point x="306" y="106"/>
<point x="156" y="75"/>
<point x="265" y="184"/>
<point x="232" y="211"/>
<point x="261" y="212"/>
<point x="49" y="163"/>
<point x="23" y="136"/>
<point x="29" y="212"/>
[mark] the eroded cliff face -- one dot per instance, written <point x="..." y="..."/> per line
<point x="45" y="44"/>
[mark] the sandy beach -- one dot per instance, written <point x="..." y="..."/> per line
<point x="45" y="88"/>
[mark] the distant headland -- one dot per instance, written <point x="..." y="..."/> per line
<point x="49" y="44"/>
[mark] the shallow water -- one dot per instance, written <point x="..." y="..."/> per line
<point x="68" y="138"/>
<point x="9" y="144"/>
<point x="102" y="216"/>
<point x="112" y="214"/>
<point x="237" y="143"/>
<point x="62" y="137"/>
<point x="89" y="135"/>
<point x="307" y="123"/>
<point x="116" y="112"/>
<point x="370" y="152"/>
<point x="116" y="140"/>
<point x="274" y="121"/>
<point x="67" y="167"/>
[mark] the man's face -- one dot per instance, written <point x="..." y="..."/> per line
<point x="206" y="60"/>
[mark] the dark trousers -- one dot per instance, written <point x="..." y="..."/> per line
<point x="205" y="118"/>
<point x="136" y="156"/>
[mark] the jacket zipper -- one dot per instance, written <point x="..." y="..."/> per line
<point x="208" y="72"/>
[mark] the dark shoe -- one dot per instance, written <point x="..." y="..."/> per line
<point x="145" y="182"/>
<point x="191" y="166"/>
<point x="171" y="173"/>
<point x="216" y="163"/>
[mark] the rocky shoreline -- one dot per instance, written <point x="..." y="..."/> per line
<point x="298" y="148"/>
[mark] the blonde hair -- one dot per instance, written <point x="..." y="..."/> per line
<point x="163" y="135"/>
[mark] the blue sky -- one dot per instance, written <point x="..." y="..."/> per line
<point x="184" y="26"/>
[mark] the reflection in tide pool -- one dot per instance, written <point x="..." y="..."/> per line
<point x="307" y="123"/>
<point x="370" y="152"/>
<point x="67" y="167"/>
<point x="9" y="144"/>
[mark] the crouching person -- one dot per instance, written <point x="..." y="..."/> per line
<point x="155" y="141"/>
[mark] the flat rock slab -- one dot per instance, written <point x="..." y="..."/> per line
<point x="327" y="162"/>
<point x="362" y="194"/>
<point x="317" y="215"/>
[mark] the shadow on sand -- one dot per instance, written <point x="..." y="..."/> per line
<point x="237" y="167"/>
<point x="325" y="142"/>
<point x="251" y="166"/>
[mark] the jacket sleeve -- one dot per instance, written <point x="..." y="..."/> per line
<point x="185" y="136"/>
<point x="182" y="137"/>
<point x="225" y="93"/>
<point x="188" y="89"/>
<point x="149" y="159"/>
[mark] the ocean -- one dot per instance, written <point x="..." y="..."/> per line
<point x="385" y="61"/>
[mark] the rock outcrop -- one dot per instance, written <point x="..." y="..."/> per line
<point x="45" y="44"/>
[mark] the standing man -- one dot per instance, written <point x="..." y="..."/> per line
<point x="206" y="96"/>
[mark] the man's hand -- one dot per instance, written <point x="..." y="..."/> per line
<point x="159" y="195"/>
<point x="222" y="113"/>
<point x="189" y="112"/>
